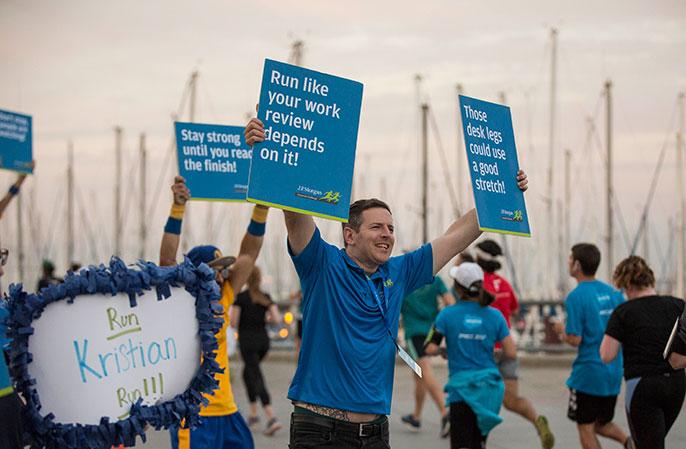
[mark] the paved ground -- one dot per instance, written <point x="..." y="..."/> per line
<point x="541" y="382"/>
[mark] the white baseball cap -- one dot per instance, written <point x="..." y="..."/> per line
<point x="466" y="274"/>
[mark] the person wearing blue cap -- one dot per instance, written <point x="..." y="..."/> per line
<point x="222" y="426"/>
<point x="351" y="299"/>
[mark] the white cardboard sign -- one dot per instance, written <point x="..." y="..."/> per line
<point x="96" y="356"/>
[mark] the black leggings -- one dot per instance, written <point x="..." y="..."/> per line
<point x="10" y="419"/>
<point x="253" y="354"/>
<point x="464" y="430"/>
<point x="652" y="405"/>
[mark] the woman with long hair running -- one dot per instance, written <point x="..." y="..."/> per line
<point x="642" y="326"/>
<point x="250" y="313"/>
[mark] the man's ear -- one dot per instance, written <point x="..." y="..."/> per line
<point x="348" y="235"/>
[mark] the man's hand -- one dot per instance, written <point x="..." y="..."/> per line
<point x="522" y="181"/>
<point x="254" y="131"/>
<point x="180" y="191"/>
<point x="300" y="227"/>
<point x="22" y="176"/>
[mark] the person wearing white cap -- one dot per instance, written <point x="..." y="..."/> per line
<point x="488" y="256"/>
<point x="471" y="329"/>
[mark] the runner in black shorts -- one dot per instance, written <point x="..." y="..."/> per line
<point x="593" y="384"/>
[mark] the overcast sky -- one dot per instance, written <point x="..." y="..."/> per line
<point x="82" y="67"/>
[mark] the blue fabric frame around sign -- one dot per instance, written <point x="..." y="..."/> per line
<point x="43" y="431"/>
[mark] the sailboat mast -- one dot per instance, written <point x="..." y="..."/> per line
<point x="551" y="149"/>
<point x="681" y="257"/>
<point x="20" y="238"/>
<point x="610" y="223"/>
<point x="425" y="173"/>
<point x="117" y="191"/>
<point x="193" y="83"/>
<point x="460" y="151"/>
<point x="70" y="203"/>
<point x="143" y="230"/>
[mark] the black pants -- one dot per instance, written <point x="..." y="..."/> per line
<point x="10" y="422"/>
<point x="654" y="404"/>
<point x="253" y="351"/>
<point x="320" y="432"/>
<point x="464" y="430"/>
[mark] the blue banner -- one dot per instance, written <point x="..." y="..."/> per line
<point x="214" y="159"/>
<point x="492" y="155"/>
<point x="306" y="162"/>
<point x="16" y="143"/>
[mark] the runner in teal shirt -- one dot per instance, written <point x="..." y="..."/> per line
<point x="418" y="312"/>
<point x="593" y="385"/>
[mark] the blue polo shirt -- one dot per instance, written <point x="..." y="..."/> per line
<point x="347" y="359"/>
<point x="471" y="332"/>
<point x="588" y="308"/>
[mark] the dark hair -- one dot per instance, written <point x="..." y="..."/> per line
<point x="359" y="206"/>
<point x="490" y="247"/>
<point x="588" y="256"/>
<point x="475" y="291"/>
<point x="633" y="272"/>
<point x="466" y="257"/>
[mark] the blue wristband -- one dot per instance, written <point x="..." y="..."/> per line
<point x="173" y="226"/>
<point x="14" y="190"/>
<point x="256" y="229"/>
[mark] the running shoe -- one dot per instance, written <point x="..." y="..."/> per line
<point x="253" y="421"/>
<point x="273" y="425"/>
<point x="413" y="425"/>
<point x="544" y="433"/>
<point x="445" y="426"/>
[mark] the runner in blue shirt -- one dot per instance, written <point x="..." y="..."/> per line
<point x="471" y="329"/>
<point x="351" y="307"/>
<point x="593" y="385"/>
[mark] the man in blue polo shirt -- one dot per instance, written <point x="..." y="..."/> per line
<point x="593" y="385"/>
<point x="351" y="301"/>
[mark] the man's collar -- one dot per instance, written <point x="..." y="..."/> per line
<point x="380" y="273"/>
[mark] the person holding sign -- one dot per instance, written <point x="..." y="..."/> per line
<point x="471" y="329"/>
<point x="351" y="309"/>
<point x="642" y="325"/>
<point x="222" y="425"/>
<point x="13" y="191"/>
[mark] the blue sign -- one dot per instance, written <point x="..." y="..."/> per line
<point x="214" y="159"/>
<point x="492" y="155"/>
<point x="306" y="162"/>
<point x="16" y="149"/>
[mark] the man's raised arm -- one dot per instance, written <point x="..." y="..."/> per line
<point x="172" y="230"/>
<point x="462" y="233"/>
<point x="459" y="236"/>
<point x="300" y="227"/>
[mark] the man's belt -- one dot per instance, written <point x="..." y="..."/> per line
<point x="359" y="429"/>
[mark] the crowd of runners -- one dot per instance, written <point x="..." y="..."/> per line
<point x="354" y="301"/>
